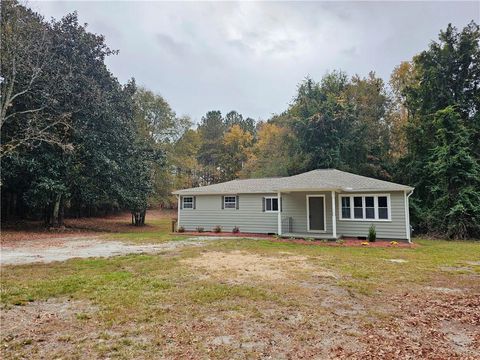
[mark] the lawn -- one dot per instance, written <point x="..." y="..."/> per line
<point x="248" y="299"/>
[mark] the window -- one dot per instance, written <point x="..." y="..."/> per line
<point x="271" y="204"/>
<point x="358" y="207"/>
<point x="365" y="207"/>
<point x="382" y="207"/>
<point x="346" y="209"/>
<point x="369" y="207"/>
<point x="188" y="202"/>
<point x="230" y="202"/>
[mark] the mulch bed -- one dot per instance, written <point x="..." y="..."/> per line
<point x="346" y="242"/>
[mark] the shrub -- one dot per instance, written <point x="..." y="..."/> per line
<point x="235" y="230"/>
<point x="200" y="229"/>
<point x="217" y="229"/>
<point x="181" y="229"/>
<point x="372" y="233"/>
<point x="340" y="241"/>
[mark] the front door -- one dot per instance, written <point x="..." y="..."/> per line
<point x="316" y="213"/>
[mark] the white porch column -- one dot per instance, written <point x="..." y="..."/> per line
<point x="279" y="214"/>
<point x="178" y="211"/>
<point x="334" y="216"/>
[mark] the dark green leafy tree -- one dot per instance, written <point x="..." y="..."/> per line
<point x="444" y="90"/>
<point x="455" y="179"/>
<point x="211" y="129"/>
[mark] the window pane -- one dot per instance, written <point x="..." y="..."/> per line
<point x="382" y="201"/>
<point x="188" y="202"/>
<point x="345" y="207"/>
<point x="268" y="204"/>
<point x="358" y="207"/>
<point x="370" y="213"/>
<point x="382" y="213"/>
<point x="358" y="213"/>
<point x="275" y="204"/>
<point x="369" y="201"/>
<point x="230" y="202"/>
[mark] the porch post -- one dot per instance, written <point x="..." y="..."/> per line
<point x="179" y="198"/>
<point x="334" y="216"/>
<point x="279" y="215"/>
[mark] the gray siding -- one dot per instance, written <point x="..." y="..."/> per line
<point x="249" y="217"/>
<point x="394" y="229"/>
<point x="294" y="206"/>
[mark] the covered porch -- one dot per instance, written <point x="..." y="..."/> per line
<point x="308" y="214"/>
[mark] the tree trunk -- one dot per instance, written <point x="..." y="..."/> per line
<point x="138" y="217"/>
<point x="55" y="216"/>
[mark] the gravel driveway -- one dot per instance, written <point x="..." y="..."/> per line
<point x="45" y="251"/>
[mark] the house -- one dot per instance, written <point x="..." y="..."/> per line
<point x="324" y="203"/>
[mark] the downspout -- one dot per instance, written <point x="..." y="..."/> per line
<point x="407" y="216"/>
<point x="279" y="215"/>
<point x="178" y="211"/>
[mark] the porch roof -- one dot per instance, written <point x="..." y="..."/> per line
<point x="315" y="180"/>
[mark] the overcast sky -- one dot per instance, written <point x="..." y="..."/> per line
<point x="250" y="56"/>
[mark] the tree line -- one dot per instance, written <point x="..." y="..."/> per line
<point x="75" y="140"/>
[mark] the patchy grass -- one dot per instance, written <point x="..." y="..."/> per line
<point x="181" y="305"/>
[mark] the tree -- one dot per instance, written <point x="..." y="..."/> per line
<point x="234" y="118"/>
<point x="211" y="129"/>
<point x="159" y="126"/>
<point x="236" y="150"/>
<point x="187" y="170"/>
<point x="455" y="179"/>
<point x="28" y="116"/>
<point x="402" y="77"/>
<point x="106" y="165"/>
<point x="270" y="156"/>
<point x="443" y="91"/>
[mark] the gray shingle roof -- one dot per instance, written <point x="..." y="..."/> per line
<point x="315" y="180"/>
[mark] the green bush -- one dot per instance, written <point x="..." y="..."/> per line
<point x="235" y="230"/>
<point x="217" y="229"/>
<point x="372" y="233"/>
<point x="181" y="229"/>
<point x="200" y="229"/>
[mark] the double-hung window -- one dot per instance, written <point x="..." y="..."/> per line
<point x="187" y="202"/>
<point x="365" y="207"/>
<point x="230" y="202"/>
<point x="271" y="204"/>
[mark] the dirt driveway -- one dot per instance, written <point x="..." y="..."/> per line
<point x="61" y="249"/>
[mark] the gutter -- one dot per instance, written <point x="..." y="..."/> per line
<point x="407" y="213"/>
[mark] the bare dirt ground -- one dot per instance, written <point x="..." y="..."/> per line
<point x="62" y="249"/>
<point x="244" y="267"/>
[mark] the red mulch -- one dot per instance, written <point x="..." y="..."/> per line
<point x="211" y="233"/>
<point x="346" y="242"/>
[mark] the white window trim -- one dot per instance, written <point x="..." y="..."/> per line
<point x="225" y="202"/>
<point x="183" y="202"/>
<point x="376" y="219"/>
<point x="271" y="198"/>
<point x="324" y="215"/>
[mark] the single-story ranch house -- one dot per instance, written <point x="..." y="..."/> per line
<point x="325" y="203"/>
